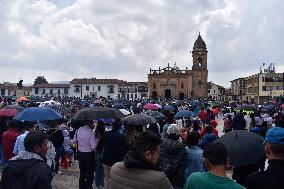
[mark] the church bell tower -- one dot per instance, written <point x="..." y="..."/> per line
<point x="199" y="69"/>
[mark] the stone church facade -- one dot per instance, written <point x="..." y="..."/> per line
<point x="172" y="82"/>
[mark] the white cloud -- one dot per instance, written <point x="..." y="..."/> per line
<point x="62" y="39"/>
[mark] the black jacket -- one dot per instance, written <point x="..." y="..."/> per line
<point x="272" y="178"/>
<point x="172" y="161"/>
<point x="26" y="174"/>
<point x="114" y="147"/>
<point x="239" y="122"/>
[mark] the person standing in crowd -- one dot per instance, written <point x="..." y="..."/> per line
<point x="239" y="122"/>
<point x="166" y="126"/>
<point x="215" y="155"/>
<point x="214" y="124"/>
<point x="9" y="139"/>
<point x="272" y="178"/>
<point x="138" y="169"/>
<point x="57" y="139"/>
<point x="258" y="120"/>
<point x="28" y="169"/>
<point x="208" y="137"/>
<point x="173" y="157"/>
<point x="86" y="143"/>
<point x="195" y="161"/>
<point x="114" y="149"/>
<point x="19" y="144"/>
<point x="202" y="115"/>
<point x="248" y="121"/>
<point x="228" y="123"/>
<point x="100" y="136"/>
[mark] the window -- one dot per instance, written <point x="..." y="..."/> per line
<point x="118" y="96"/>
<point x="36" y="90"/>
<point x="199" y="61"/>
<point x="65" y="90"/>
<point x="263" y="79"/>
<point x="77" y="90"/>
<point x="154" y="85"/>
<point x="58" y="91"/>
<point x="135" y="90"/>
<point x="131" y="96"/>
<point x="111" y="90"/>
<point x="2" y="92"/>
<point x="43" y="91"/>
<point x="135" y="96"/>
<point x="99" y="88"/>
<point x="87" y="88"/>
<point x="264" y="88"/>
<point x="127" y="96"/>
<point x="51" y="91"/>
<point x="181" y="86"/>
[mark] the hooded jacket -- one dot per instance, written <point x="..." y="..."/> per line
<point x="136" y="173"/>
<point x="173" y="160"/>
<point x="26" y="171"/>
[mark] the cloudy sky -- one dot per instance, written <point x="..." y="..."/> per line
<point x="64" y="39"/>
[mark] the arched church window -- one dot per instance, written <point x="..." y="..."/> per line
<point x="199" y="61"/>
<point x="181" y="86"/>
<point x="154" y="85"/>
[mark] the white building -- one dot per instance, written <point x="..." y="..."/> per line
<point x="216" y="92"/>
<point x="94" y="87"/>
<point x="133" y="90"/>
<point x="50" y="89"/>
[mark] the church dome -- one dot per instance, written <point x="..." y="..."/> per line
<point x="199" y="43"/>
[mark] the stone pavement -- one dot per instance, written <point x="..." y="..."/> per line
<point x="69" y="179"/>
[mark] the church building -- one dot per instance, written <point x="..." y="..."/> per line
<point x="172" y="82"/>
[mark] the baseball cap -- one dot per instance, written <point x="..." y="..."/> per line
<point x="275" y="135"/>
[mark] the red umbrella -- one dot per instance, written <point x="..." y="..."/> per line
<point x="8" y="112"/>
<point x="150" y="106"/>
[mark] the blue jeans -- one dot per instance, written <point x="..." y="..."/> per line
<point x="99" y="174"/>
<point x="59" y="152"/>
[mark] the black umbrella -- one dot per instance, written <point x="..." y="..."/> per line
<point x="243" y="147"/>
<point x="97" y="113"/>
<point x="138" y="119"/>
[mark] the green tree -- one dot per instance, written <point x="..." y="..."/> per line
<point x="40" y="80"/>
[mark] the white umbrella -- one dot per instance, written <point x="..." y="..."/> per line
<point x="49" y="103"/>
<point x="158" y="106"/>
<point x="124" y="111"/>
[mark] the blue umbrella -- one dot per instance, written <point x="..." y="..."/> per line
<point x="168" y="108"/>
<point x="118" y="105"/>
<point x="184" y="113"/>
<point x="38" y="114"/>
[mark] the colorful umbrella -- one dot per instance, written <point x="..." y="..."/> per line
<point x="8" y="112"/>
<point x="16" y="107"/>
<point x="21" y="99"/>
<point x="150" y="106"/>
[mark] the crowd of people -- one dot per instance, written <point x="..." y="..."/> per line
<point x="173" y="153"/>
